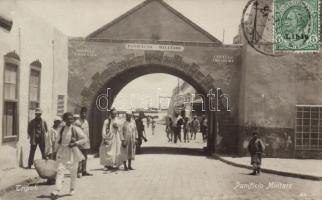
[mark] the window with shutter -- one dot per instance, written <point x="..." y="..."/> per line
<point x="10" y="97"/>
<point x="34" y="87"/>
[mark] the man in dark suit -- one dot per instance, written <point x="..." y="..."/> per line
<point x="37" y="129"/>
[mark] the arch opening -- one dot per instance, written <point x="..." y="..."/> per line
<point x="113" y="85"/>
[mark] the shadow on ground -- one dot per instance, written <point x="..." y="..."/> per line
<point x="173" y="150"/>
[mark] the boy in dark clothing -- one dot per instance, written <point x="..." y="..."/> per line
<point x="256" y="148"/>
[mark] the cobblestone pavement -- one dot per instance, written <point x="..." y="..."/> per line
<point x="161" y="174"/>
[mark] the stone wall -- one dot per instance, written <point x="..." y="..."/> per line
<point x="271" y="87"/>
<point x="97" y="64"/>
<point x="32" y="39"/>
<point x="96" y="61"/>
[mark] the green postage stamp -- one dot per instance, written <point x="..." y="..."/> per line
<point x="297" y="26"/>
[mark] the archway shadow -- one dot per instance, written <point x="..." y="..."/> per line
<point x="173" y="151"/>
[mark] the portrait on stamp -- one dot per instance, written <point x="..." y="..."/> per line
<point x="296" y="26"/>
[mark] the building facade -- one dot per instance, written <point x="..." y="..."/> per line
<point x="34" y="71"/>
<point x="187" y="101"/>
<point x="280" y="97"/>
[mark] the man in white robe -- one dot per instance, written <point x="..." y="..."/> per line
<point x="110" y="148"/>
<point x="129" y="136"/>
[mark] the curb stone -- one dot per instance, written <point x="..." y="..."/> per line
<point x="270" y="171"/>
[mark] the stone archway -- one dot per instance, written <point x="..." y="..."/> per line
<point x="119" y="74"/>
<point x="152" y="62"/>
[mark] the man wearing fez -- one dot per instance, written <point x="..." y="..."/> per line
<point x="128" y="136"/>
<point x="83" y="124"/>
<point x="37" y="128"/>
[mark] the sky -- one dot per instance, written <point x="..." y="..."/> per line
<point x="82" y="17"/>
<point x="145" y="91"/>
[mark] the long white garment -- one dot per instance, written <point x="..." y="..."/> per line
<point x="65" y="154"/>
<point x="83" y="124"/>
<point x="50" y="140"/>
<point x="67" y="157"/>
<point x="111" y="143"/>
<point x="61" y="168"/>
<point x="129" y="135"/>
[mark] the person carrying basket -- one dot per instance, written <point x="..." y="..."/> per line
<point x="68" y="154"/>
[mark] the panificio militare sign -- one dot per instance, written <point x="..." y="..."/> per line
<point x="154" y="47"/>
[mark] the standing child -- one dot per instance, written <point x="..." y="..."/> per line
<point x="256" y="149"/>
<point x="51" y="139"/>
<point x="51" y="142"/>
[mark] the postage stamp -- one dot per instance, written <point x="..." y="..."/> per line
<point x="297" y="26"/>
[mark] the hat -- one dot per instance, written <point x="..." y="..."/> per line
<point x="141" y="114"/>
<point x="128" y="113"/>
<point x="38" y="111"/>
<point x="57" y="118"/>
<point x="76" y="116"/>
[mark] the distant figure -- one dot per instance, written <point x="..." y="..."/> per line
<point x="186" y="129"/>
<point x="204" y="127"/>
<point x="176" y="125"/>
<point x="256" y="149"/>
<point x="153" y="125"/>
<point x="168" y="129"/>
<point x="147" y="121"/>
<point x="195" y="125"/>
<point x="111" y="142"/>
<point x="37" y="129"/>
<point x="129" y="136"/>
<point x="141" y="132"/>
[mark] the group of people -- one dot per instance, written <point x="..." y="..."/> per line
<point x="67" y="142"/>
<point x="121" y="141"/>
<point x="178" y="123"/>
<point x="150" y="120"/>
